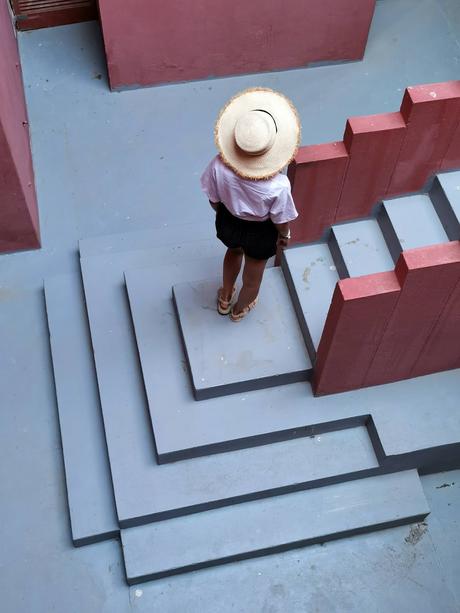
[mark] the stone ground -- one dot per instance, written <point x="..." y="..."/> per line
<point x="109" y="163"/>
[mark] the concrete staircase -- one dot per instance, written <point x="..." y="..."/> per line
<point x="199" y="441"/>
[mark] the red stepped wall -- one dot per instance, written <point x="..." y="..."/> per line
<point x="391" y="326"/>
<point x="380" y="156"/>
<point x="19" y="227"/>
<point x="148" y="43"/>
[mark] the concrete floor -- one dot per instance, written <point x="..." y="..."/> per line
<point x="110" y="163"/>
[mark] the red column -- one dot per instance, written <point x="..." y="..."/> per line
<point x="431" y="113"/>
<point x="427" y="276"/>
<point x="355" y="324"/>
<point x="316" y="177"/>
<point x="373" y="143"/>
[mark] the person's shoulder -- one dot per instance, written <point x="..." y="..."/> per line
<point x="281" y="182"/>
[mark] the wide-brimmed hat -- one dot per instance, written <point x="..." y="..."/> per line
<point x="257" y="133"/>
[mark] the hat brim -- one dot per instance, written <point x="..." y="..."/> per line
<point x="286" y="142"/>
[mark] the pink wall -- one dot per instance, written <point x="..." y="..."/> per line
<point x="394" y="325"/>
<point x="381" y="155"/>
<point x="19" y="228"/>
<point x="150" y="42"/>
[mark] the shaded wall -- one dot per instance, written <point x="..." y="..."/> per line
<point x="151" y="42"/>
<point x="380" y="156"/>
<point x="19" y="227"/>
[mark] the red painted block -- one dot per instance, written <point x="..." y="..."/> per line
<point x="354" y="326"/>
<point x="373" y="143"/>
<point x="150" y="42"/>
<point x="451" y="159"/>
<point x="442" y="350"/>
<point x="316" y="176"/>
<point x="427" y="277"/>
<point x="431" y="113"/>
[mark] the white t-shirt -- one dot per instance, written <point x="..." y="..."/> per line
<point x="248" y="199"/>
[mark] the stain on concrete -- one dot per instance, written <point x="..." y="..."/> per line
<point x="439" y="487"/>
<point x="416" y="533"/>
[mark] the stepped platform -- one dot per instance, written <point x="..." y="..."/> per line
<point x="268" y="526"/>
<point x="224" y="357"/>
<point x="185" y="461"/>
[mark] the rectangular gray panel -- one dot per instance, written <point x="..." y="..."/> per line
<point x="264" y="349"/>
<point x="88" y="479"/>
<point x="271" y="525"/>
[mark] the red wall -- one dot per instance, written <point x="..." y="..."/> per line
<point x="19" y="228"/>
<point x="150" y="42"/>
<point x="394" y="325"/>
<point x="381" y="155"/>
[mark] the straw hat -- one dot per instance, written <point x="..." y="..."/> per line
<point x="257" y="133"/>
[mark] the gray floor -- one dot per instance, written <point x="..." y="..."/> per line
<point x="121" y="162"/>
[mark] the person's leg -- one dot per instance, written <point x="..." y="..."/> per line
<point x="252" y="278"/>
<point x="232" y="266"/>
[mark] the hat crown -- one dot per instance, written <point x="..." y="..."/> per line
<point x="255" y="132"/>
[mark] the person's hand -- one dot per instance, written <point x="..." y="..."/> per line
<point x="283" y="241"/>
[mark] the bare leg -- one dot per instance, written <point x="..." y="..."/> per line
<point x="232" y="266"/>
<point x="252" y="278"/>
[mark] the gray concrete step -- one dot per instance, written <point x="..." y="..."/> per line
<point x="271" y="525"/>
<point x="359" y="248"/>
<point x="311" y="276"/>
<point x="89" y="484"/>
<point x="445" y="195"/>
<point x="410" y="222"/>
<point x="263" y="350"/>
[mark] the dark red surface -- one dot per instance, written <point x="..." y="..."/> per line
<point x="57" y="17"/>
<point x="442" y="349"/>
<point x="391" y="326"/>
<point x="19" y="227"/>
<point x="316" y="175"/>
<point x="389" y="155"/>
<point x="354" y="327"/>
<point x="373" y="143"/>
<point x="431" y="113"/>
<point x="160" y="42"/>
<point x="428" y="277"/>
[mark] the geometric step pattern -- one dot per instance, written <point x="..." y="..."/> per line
<point x="87" y="471"/>
<point x="223" y="358"/>
<point x="253" y="474"/>
<point x="410" y="222"/>
<point x="359" y="248"/>
<point x="311" y="276"/>
<point x="272" y="525"/>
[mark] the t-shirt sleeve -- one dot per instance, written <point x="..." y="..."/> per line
<point x="209" y="183"/>
<point x="283" y="207"/>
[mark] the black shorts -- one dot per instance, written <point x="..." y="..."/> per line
<point x="257" y="239"/>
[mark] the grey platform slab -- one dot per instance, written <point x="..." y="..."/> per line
<point x="445" y="195"/>
<point x="89" y="483"/>
<point x="359" y="248"/>
<point x="275" y="524"/>
<point x="418" y="416"/>
<point x="263" y="350"/>
<point x="410" y="222"/>
<point x="311" y="276"/>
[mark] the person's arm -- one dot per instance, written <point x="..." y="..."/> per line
<point x="284" y="234"/>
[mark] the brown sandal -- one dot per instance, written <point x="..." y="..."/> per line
<point x="239" y="316"/>
<point x="224" y="306"/>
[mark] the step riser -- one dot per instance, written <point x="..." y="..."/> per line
<point x="337" y="256"/>
<point x="446" y="214"/>
<point x="389" y="233"/>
